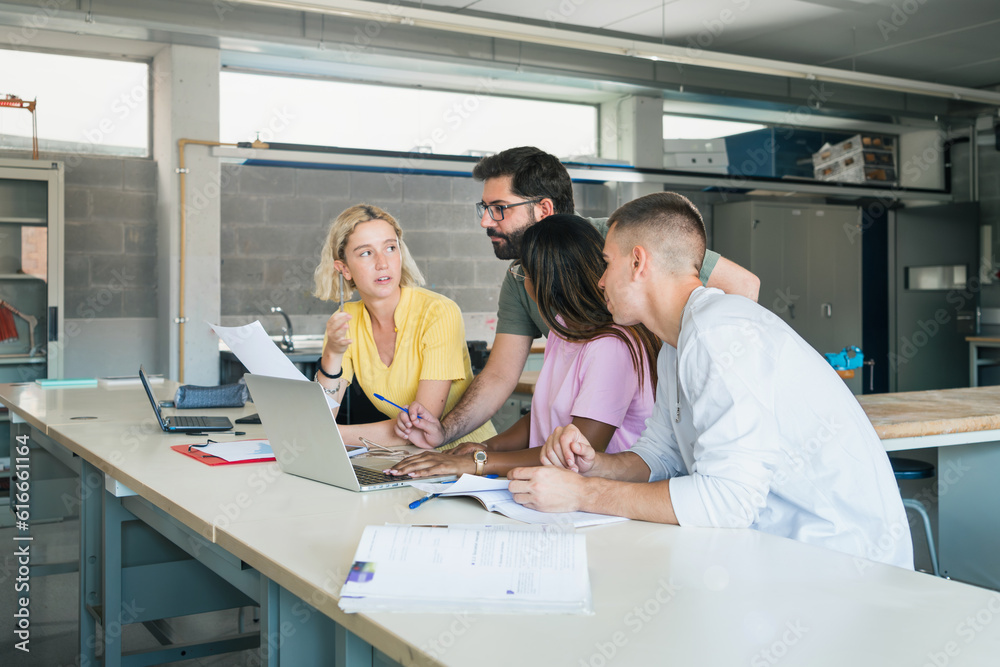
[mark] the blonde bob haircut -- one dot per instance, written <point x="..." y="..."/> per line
<point x="327" y="281"/>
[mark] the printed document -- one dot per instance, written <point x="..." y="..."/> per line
<point x="469" y="568"/>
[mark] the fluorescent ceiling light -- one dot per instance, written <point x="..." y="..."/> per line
<point x="685" y="127"/>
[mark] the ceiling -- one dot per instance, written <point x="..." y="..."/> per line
<point x="951" y="42"/>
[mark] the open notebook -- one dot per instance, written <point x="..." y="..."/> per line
<point x="495" y="497"/>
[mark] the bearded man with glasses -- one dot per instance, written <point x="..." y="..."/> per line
<point x="520" y="187"/>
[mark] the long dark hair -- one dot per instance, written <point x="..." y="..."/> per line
<point x="562" y="255"/>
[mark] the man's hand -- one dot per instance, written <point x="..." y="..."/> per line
<point x="424" y="432"/>
<point x="547" y="489"/>
<point x="568" y="448"/>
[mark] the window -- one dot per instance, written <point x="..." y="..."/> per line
<point x="351" y="115"/>
<point x="84" y="105"/>
<point x="686" y="127"/>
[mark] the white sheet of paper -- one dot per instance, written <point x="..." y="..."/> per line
<point x="497" y="569"/>
<point x="255" y="350"/>
<point x="239" y="450"/>
<point x="261" y="355"/>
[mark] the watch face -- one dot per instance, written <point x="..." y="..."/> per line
<point x="480" y="456"/>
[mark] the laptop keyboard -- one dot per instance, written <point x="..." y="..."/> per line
<point x="367" y="476"/>
<point x="206" y="422"/>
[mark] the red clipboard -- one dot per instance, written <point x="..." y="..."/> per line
<point x="210" y="460"/>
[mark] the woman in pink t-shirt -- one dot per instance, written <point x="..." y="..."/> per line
<point x="596" y="375"/>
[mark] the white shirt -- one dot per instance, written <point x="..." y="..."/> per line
<point x="769" y="436"/>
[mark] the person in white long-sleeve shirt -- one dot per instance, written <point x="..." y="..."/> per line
<point x="751" y="426"/>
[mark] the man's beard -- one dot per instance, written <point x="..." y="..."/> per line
<point x="510" y="248"/>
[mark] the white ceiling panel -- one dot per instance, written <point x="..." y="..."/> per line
<point x="716" y="23"/>
<point x="446" y="4"/>
<point x="582" y="13"/>
<point x="947" y="41"/>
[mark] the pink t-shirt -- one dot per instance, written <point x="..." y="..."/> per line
<point x="594" y="380"/>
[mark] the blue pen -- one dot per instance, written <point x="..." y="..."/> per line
<point x="420" y="501"/>
<point x="383" y="398"/>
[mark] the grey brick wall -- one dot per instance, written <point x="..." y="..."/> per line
<point x="110" y="237"/>
<point x="275" y="219"/>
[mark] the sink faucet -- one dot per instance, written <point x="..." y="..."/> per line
<point x="286" y="331"/>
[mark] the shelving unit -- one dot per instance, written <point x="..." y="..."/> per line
<point x="31" y="276"/>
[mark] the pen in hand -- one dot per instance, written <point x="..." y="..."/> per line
<point x="383" y="398"/>
<point x="341" y="306"/>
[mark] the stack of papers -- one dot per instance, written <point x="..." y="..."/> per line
<point x="475" y="569"/>
<point x="495" y="497"/>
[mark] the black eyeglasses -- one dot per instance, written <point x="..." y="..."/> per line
<point x="496" y="210"/>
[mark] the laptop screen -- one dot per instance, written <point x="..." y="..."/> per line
<point x="149" y="392"/>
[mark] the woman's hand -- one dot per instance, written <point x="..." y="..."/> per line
<point x="467" y="449"/>
<point x="337" y="333"/>
<point x="426" y="464"/>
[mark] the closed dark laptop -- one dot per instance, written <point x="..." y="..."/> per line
<point x="176" y="424"/>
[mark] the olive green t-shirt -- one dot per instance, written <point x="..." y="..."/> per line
<point x="517" y="314"/>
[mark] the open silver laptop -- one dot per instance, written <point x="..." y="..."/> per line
<point x="306" y="441"/>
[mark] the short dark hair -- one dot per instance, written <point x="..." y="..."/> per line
<point x="533" y="172"/>
<point x="666" y="223"/>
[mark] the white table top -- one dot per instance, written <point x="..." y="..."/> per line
<point x="737" y="593"/>
<point x="45" y="408"/>
<point x="665" y="594"/>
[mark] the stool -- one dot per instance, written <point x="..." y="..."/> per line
<point x="913" y="469"/>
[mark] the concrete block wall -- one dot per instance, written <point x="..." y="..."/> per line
<point x="110" y="288"/>
<point x="274" y="221"/>
<point x="110" y="238"/>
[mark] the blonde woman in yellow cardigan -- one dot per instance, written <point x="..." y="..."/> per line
<point x="399" y="340"/>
